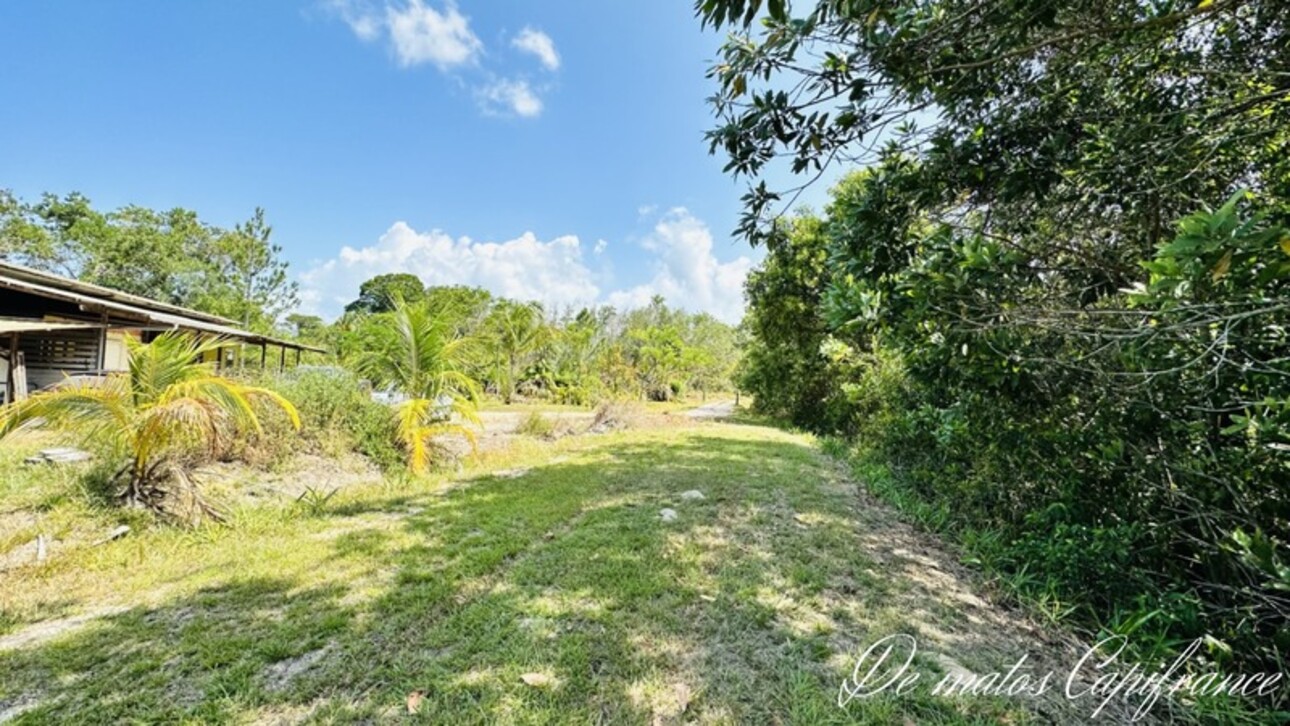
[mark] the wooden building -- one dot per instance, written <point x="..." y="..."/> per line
<point x="54" y="327"/>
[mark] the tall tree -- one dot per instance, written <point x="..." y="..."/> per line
<point x="382" y="293"/>
<point x="23" y="237"/>
<point x="159" y="255"/>
<point x="1050" y="236"/>
<point x="307" y="327"/>
<point x="172" y="256"/>
<point x="249" y="280"/>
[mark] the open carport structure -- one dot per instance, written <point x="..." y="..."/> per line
<point x="54" y="327"/>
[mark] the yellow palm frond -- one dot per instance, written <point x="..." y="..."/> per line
<point x="96" y="409"/>
<point x="252" y="392"/>
<point x="411" y="417"/>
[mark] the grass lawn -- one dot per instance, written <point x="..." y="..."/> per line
<point x="492" y="403"/>
<point x="548" y="562"/>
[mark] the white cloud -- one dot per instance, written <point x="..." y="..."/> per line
<point x="421" y="34"/>
<point x="524" y="268"/>
<point x="417" y="32"/>
<point x="510" y="97"/>
<point x="360" y="18"/>
<point x="687" y="273"/>
<point x="539" y="44"/>
<point x="359" y="15"/>
<point x="556" y="272"/>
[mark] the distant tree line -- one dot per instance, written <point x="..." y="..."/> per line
<point x="172" y="256"/>
<point x="520" y="349"/>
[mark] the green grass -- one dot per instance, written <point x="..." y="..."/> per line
<point x="750" y="608"/>
<point x="692" y="400"/>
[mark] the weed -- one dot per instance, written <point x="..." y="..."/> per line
<point x="536" y="425"/>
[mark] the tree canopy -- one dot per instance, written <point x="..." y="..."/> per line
<point x="1049" y="297"/>
<point x="171" y="256"/>
<point x="381" y="293"/>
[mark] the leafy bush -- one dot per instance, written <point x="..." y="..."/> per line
<point x="1113" y="453"/>
<point x="337" y="416"/>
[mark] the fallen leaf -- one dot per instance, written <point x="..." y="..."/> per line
<point x="414" y="701"/>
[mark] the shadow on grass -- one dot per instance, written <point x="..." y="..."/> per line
<point x="566" y="571"/>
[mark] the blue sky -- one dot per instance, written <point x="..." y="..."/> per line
<point x="549" y="150"/>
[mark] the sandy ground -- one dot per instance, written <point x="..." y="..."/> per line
<point x="712" y="411"/>
<point x="505" y="422"/>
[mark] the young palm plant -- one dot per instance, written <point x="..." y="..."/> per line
<point x="422" y="355"/>
<point x="516" y="331"/>
<point x="168" y="404"/>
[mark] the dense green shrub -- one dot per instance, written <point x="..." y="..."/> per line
<point x="1038" y="341"/>
<point x="1140" y="455"/>
<point x="336" y="414"/>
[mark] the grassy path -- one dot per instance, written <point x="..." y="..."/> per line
<point x="750" y="607"/>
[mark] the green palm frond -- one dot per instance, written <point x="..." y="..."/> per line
<point x="425" y="357"/>
<point x="98" y="410"/>
<point x="168" y="401"/>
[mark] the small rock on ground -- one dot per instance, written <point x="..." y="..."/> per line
<point x="668" y="515"/>
<point x="693" y="494"/>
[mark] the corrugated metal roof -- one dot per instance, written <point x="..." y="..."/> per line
<point x="20" y="272"/>
<point x="149" y="312"/>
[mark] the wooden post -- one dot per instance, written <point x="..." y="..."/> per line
<point x="219" y="359"/>
<point x="282" y="362"/>
<point x="264" y="353"/>
<point x="10" y="393"/>
<point x="103" y="341"/>
<point x="19" y="368"/>
<point x="297" y="357"/>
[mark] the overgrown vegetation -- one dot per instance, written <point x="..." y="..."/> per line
<point x="337" y="416"/>
<point x="168" y="406"/>
<point x="535" y="424"/>
<point x="1050" y="310"/>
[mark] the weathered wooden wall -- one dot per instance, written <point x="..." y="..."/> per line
<point x="53" y="354"/>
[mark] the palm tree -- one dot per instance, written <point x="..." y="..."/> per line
<point x="515" y="331"/>
<point x="167" y="404"/>
<point x="421" y="354"/>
